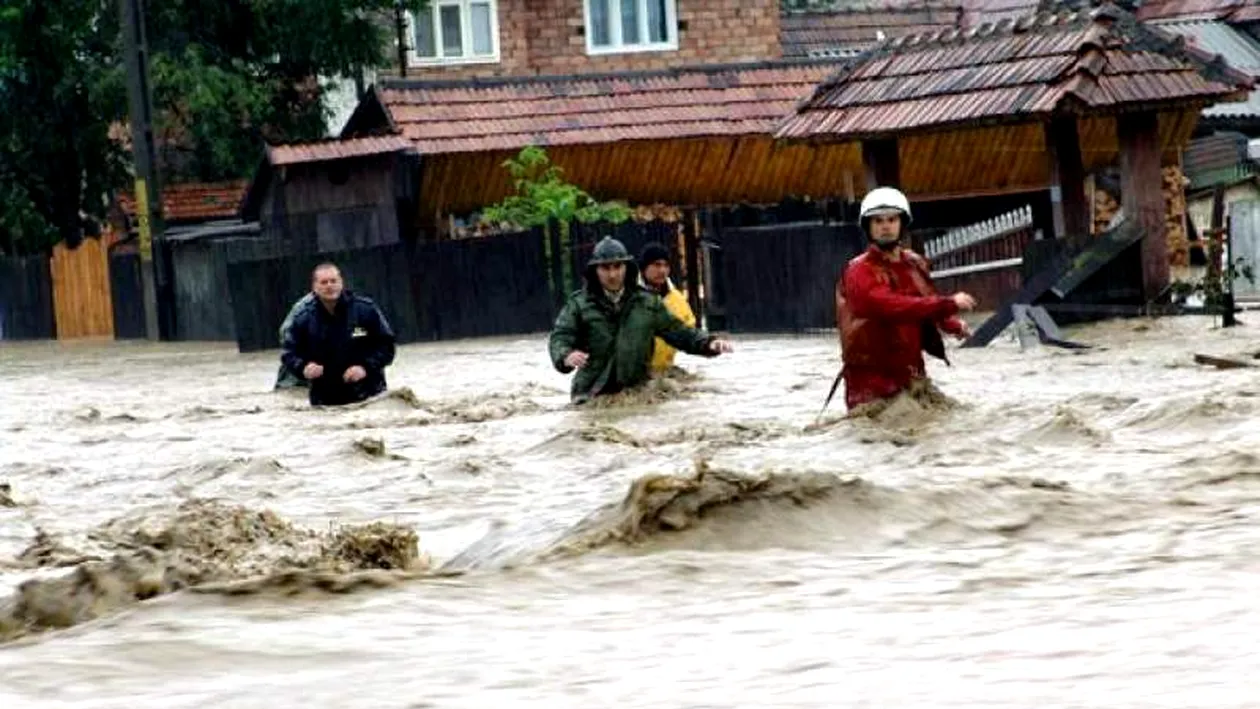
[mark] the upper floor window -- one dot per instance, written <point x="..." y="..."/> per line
<point x="631" y="25"/>
<point x="455" y="32"/>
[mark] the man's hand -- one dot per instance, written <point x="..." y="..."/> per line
<point x="720" y="347"/>
<point x="354" y="374"/>
<point x="313" y="370"/>
<point x="964" y="301"/>
<point x="963" y="333"/>
<point x="576" y="359"/>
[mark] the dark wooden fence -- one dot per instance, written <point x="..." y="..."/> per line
<point x="782" y="278"/>
<point x="263" y="290"/>
<point x="26" y="299"/>
<point x="495" y="285"/>
<point x="635" y="235"/>
<point x="127" y="293"/>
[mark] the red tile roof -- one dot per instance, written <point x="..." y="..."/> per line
<point x="978" y="12"/>
<point x="507" y="114"/>
<point x="846" y="32"/>
<point x="1098" y="59"/>
<point x="194" y="201"/>
<point x="335" y="149"/>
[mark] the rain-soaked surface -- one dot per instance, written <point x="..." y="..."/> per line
<point x="1081" y="530"/>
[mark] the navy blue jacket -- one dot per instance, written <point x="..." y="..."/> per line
<point x="355" y="333"/>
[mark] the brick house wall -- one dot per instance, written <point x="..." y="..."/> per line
<point x="548" y="37"/>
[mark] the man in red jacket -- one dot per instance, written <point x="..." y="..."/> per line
<point x="886" y="303"/>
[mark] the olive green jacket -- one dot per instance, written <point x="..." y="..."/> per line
<point x="618" y="340"/>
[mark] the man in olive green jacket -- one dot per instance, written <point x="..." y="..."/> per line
<point x="606" y="329"/>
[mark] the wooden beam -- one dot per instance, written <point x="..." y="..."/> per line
<point x="1142" y="195"/>
<point x="882" y="164"/>
<point x="969" y="194"/>
<point x="1069" y="206"/>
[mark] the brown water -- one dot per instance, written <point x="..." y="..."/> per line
<point x="1080" y="530"/>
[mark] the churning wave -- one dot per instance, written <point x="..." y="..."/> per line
<point x="715" y="509"/>
<point x="212" y="547"/>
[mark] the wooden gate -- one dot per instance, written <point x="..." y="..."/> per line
<point x="81" y="289"/>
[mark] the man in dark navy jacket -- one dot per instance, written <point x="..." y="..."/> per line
<point x="339" y="341"/>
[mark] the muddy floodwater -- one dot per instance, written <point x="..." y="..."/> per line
<point x="1081" y="529"/>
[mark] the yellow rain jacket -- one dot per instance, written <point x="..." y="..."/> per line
<point x="676" y="303"/>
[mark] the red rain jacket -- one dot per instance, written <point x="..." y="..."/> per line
<point x="881" y="306"/>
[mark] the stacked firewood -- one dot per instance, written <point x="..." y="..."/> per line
<point x="1105" y="207"/>
<point x="667" y="213"/>
<point x="1175" y="183"/>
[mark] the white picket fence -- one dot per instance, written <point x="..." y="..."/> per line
<point x="964" y="236"/>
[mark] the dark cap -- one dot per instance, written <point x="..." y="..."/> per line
<point x="651" y="253"/>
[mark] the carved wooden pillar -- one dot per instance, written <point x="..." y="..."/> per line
<point x="1142" y="196"/>
<point x="1068" y="205"/>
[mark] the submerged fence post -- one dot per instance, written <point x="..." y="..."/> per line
<point x="555" y="263"/>
<point x="691" y="244"/>
<point x="1228" y="318"/>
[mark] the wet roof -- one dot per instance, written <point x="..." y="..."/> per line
<point x="1229" y="10"/>
<point x="335" y="149"/>
<point x="826" y="30"/>
<point x="1012" y="70"/>
<point x="194" y="201"/>
<point x="1238" y="50"/>
<point x="510" y="113"/>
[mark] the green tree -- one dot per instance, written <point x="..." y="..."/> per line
<point x="56" y="157"/>
<point x="542" y="194"/>
<point x="226" y="75"/>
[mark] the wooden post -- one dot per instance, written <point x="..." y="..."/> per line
<point x="691" y="245"/>
<point x="1142" y="195"/>
<point x="555" y="262"/>
<point x="1069" y="207"/>
<point x="883" y="167"/>
<point x="155" y="268"/>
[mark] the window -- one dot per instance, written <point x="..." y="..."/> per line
<point x="631" y="25"/>
<point x="455" y="32"/>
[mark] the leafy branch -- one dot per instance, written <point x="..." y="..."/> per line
<point x="543" y="194"/>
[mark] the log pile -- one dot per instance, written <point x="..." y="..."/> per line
<point x="1178" y="240"/>
<point x="1105" y="207"/>
<point x="667" y="213"/>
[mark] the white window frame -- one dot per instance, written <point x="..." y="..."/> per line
<point x="616" y="46"/>
<point x="465" y="22"/>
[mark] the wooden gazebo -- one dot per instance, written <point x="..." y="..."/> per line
<point x="1035" y="103"/>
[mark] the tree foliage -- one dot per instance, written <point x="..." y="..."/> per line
<point x="226" y="74"/>
<point x="543" y="194"/>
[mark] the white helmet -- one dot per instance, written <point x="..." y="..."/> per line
<point x="885" y="200"/>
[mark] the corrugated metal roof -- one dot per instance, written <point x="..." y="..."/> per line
<point x="507" y="114"/>
<point x="335" y="149"/>
<point x="1187" y="9"/>
<point x="1213" y="153"/>
<point x="194" y="201"/>
<point x="1098" y="59"/>
<point x="1237" y="49"/>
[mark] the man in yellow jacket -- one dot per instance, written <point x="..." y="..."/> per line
<point x="654" y="276"/>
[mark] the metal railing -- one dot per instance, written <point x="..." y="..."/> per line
<point x="972" y="234"/>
